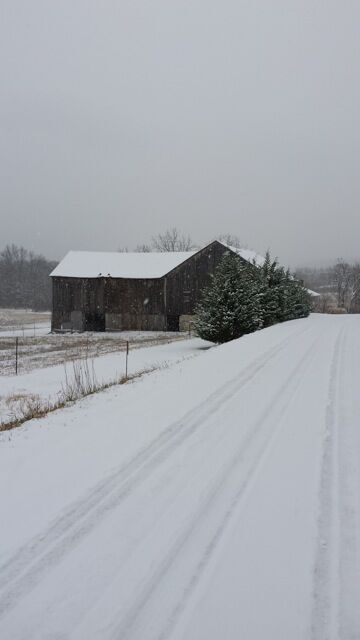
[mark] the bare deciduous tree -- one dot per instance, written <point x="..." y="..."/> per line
<point x="172" y="240"/>
<point x="231" y="240"/>
<point x="24" y="279"/>
<point x="354" y="290"/>
<point x="143" y="248"/>
<point x="342" y="277"/>
<point x="347" y="281"/>
<point x="324" y="303"/>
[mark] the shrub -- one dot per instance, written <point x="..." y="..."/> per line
<point x="243" y="298"/>
<point x="232" y="305"/>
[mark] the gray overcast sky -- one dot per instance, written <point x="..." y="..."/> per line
<point x="121" y="118"/>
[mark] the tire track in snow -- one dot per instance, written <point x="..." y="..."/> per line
<point x="348" y="497"/>
<point x="25" y="570"/>
<point x="270" y="417"/>
<point x="324" y="623"/>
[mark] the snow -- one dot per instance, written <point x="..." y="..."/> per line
<point x="247" y="254"/>
<point x="313" y="294"/>
<point x="93" y="264"/>
<point x="48" y="382"/>
<point x="42" y="350"/>
<point x="23" y="322"/>
<point x="216" y="498"/>
<point x="27" y="330"/>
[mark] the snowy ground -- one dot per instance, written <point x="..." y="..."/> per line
<point x="23" y="322"/>
<point x="53" y="349"/>
<point x="48" y="382"/>
<point x="219" y="498"/>
<point x="37" y="347"/>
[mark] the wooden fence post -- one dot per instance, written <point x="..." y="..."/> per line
<point x="126" y="361"/>
<point x="16" y="355"/>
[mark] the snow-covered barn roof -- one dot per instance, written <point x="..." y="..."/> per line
<point x="247" y="254"/>
<point x="96" y="264"/>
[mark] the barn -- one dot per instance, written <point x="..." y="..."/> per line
<point x="96" y="291"/>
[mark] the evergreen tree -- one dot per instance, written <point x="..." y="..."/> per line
<point x="243" y="297"/>
<point x="284" y="297"/>
<point x="271" y="275"/>
<point x="297" y="299"/>
<point x="232" y="305"/>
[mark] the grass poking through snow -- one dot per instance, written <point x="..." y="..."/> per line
<point x="82" y="382"/>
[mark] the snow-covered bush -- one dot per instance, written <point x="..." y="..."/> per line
<point x="284" y="297"/>
<point x="232" y="305"/>
<point x="243" y="298"/>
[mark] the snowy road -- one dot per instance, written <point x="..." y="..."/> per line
<point x="221" y="500"/>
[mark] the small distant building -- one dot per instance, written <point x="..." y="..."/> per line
<point x="95" y="291"/>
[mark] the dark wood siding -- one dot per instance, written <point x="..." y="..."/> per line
<point x="96" y="304"/>
<point x="185" y="283"/>
<point x="78" y="303"/>
<point x="134" y="296"/>
<point x="135" y="304"/>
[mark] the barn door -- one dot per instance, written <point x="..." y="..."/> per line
<point x="94" y="314"/>
<point x="172" y="323"/>
<point x="94" y="321"/>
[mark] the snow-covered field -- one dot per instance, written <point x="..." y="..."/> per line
<point x="47" y="383"/>
<point x="53" y="349"/>
<point x="217" y="498"/>
<point x="38" y="348"/>
<point x="23" y="322"/>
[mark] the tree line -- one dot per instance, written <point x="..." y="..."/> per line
<point x="173" y="240"/>
<point x="24" y="275"/>
<point x="244" y="297"/>
<point x="24" y="279"/>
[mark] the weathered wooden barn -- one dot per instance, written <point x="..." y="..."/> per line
<point x="95" y="291"/>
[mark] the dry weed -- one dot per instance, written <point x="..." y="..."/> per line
<point x="82" y="384"/>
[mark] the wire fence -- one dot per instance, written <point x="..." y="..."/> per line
<point x="21" y="354"/>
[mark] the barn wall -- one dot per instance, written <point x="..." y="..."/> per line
<point x="118" y="304"/>
<point x="67" y="298"/>
<point x="97" y="304"/>
<point x="134" y="322"/>
<point x="134" y="304"/>
<point x="185" y="283"/>
<point x="78" y="304"/>
<point x="185" y="322"/>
